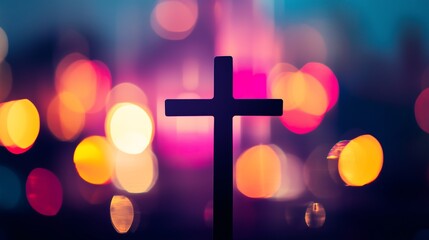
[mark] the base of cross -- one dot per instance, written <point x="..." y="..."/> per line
<point x="223" y="107"/>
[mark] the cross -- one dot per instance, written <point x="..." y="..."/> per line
<point x="223" y="107"/>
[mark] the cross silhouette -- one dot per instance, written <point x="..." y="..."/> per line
<point x="223" y="107"/>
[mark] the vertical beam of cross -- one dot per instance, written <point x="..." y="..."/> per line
<point x="223" y="107"/>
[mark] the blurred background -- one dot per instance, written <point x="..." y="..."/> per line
<point x="87" y="152"/>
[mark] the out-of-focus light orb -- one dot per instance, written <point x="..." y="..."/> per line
<point x="19" y="125"/>
<point x="361" y="161"/>
<point x="126" y="92"/>
<point x="136" y="173"/>
<point x="326" y="77"/>
<point x="4" y="44"/>
<point x="421" y="110"/>
<point x="174" y="19"/>
<point x="64" y="122"/>
<point x="5" y="80"/>
<point x="121" y="213"/>
<point x="303" y="92"/>
<point x="129" y="127"/>
<point x="44" y="192"/>
<point x="258" y="172"/>
<point x="305" y="101"/>
<point x="10" y="188"/>
<point x="315" y="215"/>
<point x="93" y="160"/>
<point x="80" y="79"/>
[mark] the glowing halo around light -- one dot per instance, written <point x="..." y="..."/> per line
<point x="174" y="19"/>
<point x="360" y="161"/>
<point x="258" y="172"/>
<point x="121" y="213"/>
<point x="44" y="192"/>
<point x="93" y="160"/>
<point x="19" y="125"/>
<point x="129" y="127"/>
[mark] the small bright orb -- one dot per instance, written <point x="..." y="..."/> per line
<point x="10" y="188"/>
<point x="315" y="215"/>
<point x="129" y="127"/>
<point x="20" y="125"/>
<point x="44" y="192"/>
<point x="258" y="172"/>
<point x="174" y="19"/>
<point x="121" y="213"/>
<point x="136" y="173"/>
<point x="92" y="158"/>
<point x="360" y="161"/>
<point x="4" y="45"/>
<point x="421" y="110"/>
<point x="5" y="80"/>
<point x="64" y="122"/>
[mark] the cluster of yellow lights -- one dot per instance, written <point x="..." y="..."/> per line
<point x="19" y="125"/>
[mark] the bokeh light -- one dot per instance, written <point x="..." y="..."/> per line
<point x="136" y="173"/>
<point x="5" y="80"/>
<point x="174" y="19"/>
<point x="80" y="79"/>
<point x="121" y="213"/>
<point x="421" y="110"/>
<point x="93" y="160"/>
<point x="326" y="77"/>
<point x="315" y="215"/>
<point x="361" y="161"/>
<point x="258" y="172"/>
<point x="129" y="127"/>
<point x="19" y="125"/>
<point x="10" y="188"/>
<point x="64" y="122"/>
<point x="4" y="44"/>
<point x="305" y="101"/>
<point x="44" y="192"/>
